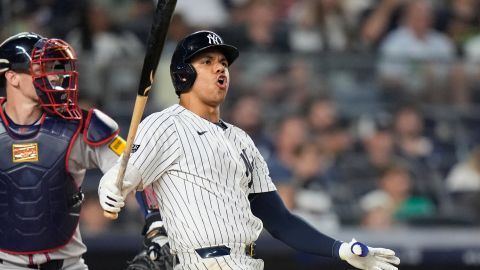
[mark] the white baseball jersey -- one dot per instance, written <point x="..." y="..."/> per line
<point x="82" y="157"/>
<point x="202" y="175"/>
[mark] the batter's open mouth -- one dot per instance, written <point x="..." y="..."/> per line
<point x="222" y="80"/>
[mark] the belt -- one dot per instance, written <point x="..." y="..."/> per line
<point x="217" y="251"/>
<point x="50" y="265"/>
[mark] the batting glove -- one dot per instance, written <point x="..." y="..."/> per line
<point x="111" y="198"/>
<point x="364" y="257"/>
<point x="109" y="195"/>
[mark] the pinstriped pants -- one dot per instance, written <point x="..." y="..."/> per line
<point x="230" y="262"/>
<point x="235" y="261"/>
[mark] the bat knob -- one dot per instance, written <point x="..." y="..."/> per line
<point x="110" y="215"/>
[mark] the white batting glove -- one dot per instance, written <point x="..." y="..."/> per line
<point x="111" y="198"/>
<point x="364" y="257"/>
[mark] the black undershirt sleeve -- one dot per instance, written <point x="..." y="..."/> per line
<point x="289" y="228"/>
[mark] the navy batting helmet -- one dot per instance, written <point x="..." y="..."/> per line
<point x="15" y="51"/>
<point x="182" y="72"/>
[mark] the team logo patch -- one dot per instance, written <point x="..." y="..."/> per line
<point x="117" y="145"/>
<point x="135" y="148"/>
<point x="26" y="152"/>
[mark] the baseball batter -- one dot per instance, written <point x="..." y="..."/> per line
<point x="47" y="143"/>
<point x="211" y="182"/>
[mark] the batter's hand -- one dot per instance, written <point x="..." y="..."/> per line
<point x="362" y="256"/>
<point x="110" y="196"/>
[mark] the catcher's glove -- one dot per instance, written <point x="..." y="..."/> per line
<point x="158" y="249"/>
<point x="143" y="262"/>
<point x="156" y="255"/>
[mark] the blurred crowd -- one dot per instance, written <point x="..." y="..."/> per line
<point x="365" y="110"/>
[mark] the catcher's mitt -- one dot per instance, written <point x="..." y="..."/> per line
<point x="143" y="262"/>
<point x="156" y="255"/>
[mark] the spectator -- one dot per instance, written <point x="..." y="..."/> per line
<point x="408" y="127"/>
<point x="377" y="212"/>
<point x="312" y="198"/>
<point x="459" y="20"/>
<point x="301" y="82"/>
<point x="321" y="115"/>
<point x="336" y="142"/>
<point x="359" y="170"/>
<point x="163" y="93"/>
<point x="203" y="14"/>
<point x="463" y="183"/>
<point x="110" y="59"/>
<point x="416" y="149"/>
<point x="377" y="21"/>
<point x="415" y="58"/>
<point x="395" y="194"/>
<point x="260" y="31"/>
<point x="471" y="51"/>
<point x="247" y="114"/>
<point x="318" y="26"/>
<point x="291" y="133"/>
<point x="356" y="172"/>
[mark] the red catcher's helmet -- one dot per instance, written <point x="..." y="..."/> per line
<point x="55" y="77"/>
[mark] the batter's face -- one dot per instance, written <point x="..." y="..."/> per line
<point x="213" y="78"/>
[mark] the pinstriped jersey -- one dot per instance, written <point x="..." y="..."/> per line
<point x="202" y="174"/>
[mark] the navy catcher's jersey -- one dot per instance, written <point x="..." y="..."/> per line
<point x="202" y="174"/>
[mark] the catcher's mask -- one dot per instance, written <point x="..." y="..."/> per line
<point x="55" y="79"/>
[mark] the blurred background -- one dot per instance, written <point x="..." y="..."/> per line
<point x="365" y="110"/>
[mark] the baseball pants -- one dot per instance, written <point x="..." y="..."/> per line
<point x="76" y="263"/>
<point x="237" y="260"/>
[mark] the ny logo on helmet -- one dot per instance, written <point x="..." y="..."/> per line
<point x="214" y="39"/>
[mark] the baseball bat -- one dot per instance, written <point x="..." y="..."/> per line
<point x="155" y="42"/>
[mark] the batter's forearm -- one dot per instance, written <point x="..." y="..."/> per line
<point x="289" y="228"/>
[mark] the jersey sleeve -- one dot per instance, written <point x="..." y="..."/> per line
<point x="156" y="147"/>
<point x="84" y="156"/>
<point x="262" y="182"/>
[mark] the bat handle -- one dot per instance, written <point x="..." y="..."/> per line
<point x="119" y="181"/>
<point x="110" y="215"/>
<point x="138" y="109"/>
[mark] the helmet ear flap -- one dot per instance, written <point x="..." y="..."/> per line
<point x="183" y="76"/>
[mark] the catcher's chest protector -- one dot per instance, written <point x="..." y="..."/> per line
<point x="36" y="208"/>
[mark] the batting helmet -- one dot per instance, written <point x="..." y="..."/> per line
<point x="182" y="72"/>
<point x="55" y="76"/>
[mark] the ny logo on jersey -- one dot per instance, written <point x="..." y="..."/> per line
<point x="248" y="166"/>
<point x="214" y="39"/>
